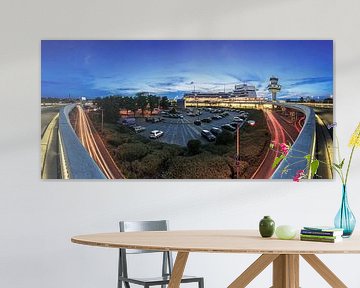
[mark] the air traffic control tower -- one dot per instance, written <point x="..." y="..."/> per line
<point x="274" y="87"/>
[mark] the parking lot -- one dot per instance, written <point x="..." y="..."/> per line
<point x="180" y="130"/>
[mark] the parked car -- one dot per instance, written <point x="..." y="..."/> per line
<point x="206" y="120"/>
<point x="234" y="124"/>
<point x="153" y="119"/>
<point x="216" y="131"/>
<point x="208" y="135"/>
<point x="237" y="119"/>
<point x="197" y="122"/>
<point x="228" y="127"/>
<point x="128" y="121"/>
<point x="156" y="134"/>
<point x="138" y="129"/>
<point x="251" y="122"/>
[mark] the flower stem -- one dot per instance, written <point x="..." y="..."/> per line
<point x="348" y="166"/>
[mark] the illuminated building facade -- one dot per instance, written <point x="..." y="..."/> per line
<point x="242" y="96"/>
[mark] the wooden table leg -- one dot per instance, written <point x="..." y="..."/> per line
<point x="253" y="270"/>
<point x="286" y="271"/>
<point x="324" y="271"/>
<point x="178" y="269"/>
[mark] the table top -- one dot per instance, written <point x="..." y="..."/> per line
<point x="217" y="241"/>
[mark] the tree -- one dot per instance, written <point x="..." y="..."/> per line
<point x="164" y="103"/>
<point x="194" y="146"/>
<point x="142" y="102"/>
<point x="130" y="104"/>
<point x="133" y="105"/>
<point x="110" y="106"/>
<point x="153" y="101"/>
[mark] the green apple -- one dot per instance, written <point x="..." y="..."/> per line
<point x="285" y="232"/>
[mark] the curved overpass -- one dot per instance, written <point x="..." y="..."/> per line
<point x="303" y="145"/>
<point x="75" y="161"/>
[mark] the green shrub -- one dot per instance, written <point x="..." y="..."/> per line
<point x="201" y="166"/>
<point x="114" y="142"/>
<point x="132" y="151"/>
<point x="194" y="146"/>
<point x="224" y="138"/>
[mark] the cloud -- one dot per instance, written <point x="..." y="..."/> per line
<point x="311" y="81"/>
<point x="247" y="77"/>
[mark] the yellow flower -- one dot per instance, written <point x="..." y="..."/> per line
<point x="355" y="138"/>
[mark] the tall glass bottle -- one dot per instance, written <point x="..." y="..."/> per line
<point x="345" y="219"/>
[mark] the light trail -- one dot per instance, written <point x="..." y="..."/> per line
<point x="279" y="135"/>
<point x="86" y="136"/>
<point x="265" y="169"/>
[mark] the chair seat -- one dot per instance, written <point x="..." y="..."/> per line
<point x="158" y="280"/>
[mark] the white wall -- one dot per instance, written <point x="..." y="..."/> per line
<point x="37" y="218"/>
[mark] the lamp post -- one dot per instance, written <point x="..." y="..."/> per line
<point x="102" y="120"/>
<point x="237" y="151"/>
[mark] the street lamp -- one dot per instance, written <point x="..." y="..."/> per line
<point x="102" y="120"/>
<point x="238" y="150"/>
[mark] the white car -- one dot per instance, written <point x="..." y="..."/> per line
<point x="156" y="134"/>
<point x="237" y="119"/>
<point x="138" y="129"/>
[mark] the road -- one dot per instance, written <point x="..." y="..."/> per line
<point x="92" y="142"/>
<point x="47" y="114"/>
<point x="282" y="131"/>
<point x="324" y="142"/>
<point x="49" y="143"/>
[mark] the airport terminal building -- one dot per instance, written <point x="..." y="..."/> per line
<point x="242" y="96"/>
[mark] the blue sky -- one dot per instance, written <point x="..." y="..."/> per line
<point x="100" y="68"/>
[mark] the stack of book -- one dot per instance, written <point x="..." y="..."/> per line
<point x="321" y="234"/>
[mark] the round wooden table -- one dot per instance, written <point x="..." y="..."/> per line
<point x="284" y="254"/>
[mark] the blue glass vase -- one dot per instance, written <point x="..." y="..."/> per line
<point x="345" y="219"/>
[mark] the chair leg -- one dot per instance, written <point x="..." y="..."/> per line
<point x="201" y="283"/>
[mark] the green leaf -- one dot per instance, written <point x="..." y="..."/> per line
<point x="271" y="145"/>
<point x="313" y="167"/>
<point x="277" y="161"/>
<point x="308" y="159"/>
<point x="341" y="164"/>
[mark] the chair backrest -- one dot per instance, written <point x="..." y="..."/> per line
<point x="134" y="226"/>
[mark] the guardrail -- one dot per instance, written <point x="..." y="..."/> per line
<point x="303" y="145"/>
<point x="75" y="161"/>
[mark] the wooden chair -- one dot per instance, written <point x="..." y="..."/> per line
<point x="167" y="262"/>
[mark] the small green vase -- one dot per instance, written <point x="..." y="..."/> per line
<point x="266" y="227"/>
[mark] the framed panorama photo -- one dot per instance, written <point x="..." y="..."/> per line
<point x="186" y="109"/>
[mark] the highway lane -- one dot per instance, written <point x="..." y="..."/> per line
<point x="49" y="143"/>
<point x="324" y="148"/>
<point x="324" y="141"/>
<point x="92" y="142"/>
<point x="47" y="114"/>
<point x="326" y="116"/>
<point x="282" y="131"/>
